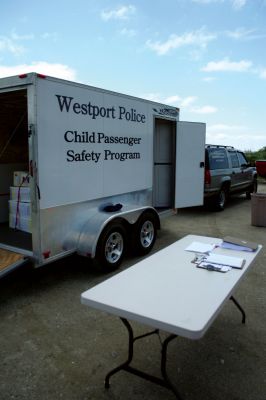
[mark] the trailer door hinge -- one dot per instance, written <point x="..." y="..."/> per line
<point x="30" y="131"/>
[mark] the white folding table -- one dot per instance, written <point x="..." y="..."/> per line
<point x="168" y="292"/>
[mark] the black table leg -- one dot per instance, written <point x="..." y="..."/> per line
<point x="164" y="381"/>
<point x="240" y="309"/>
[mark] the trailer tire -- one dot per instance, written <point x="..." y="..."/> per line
<point x="145" y="233"/>
<point x="111" y="247"/>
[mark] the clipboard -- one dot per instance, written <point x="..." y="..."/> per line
<point x="251" y="246"/>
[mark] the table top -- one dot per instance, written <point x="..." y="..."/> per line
<point x="167" y="291"/>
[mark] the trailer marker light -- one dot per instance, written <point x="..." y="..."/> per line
<point x="22" y="76"/>
<point x="42" y="76"/>
<point x="46" y="254"/>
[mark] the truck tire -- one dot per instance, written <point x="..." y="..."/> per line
<point x="253" y="189"/>
<point x="111" y="247"/>
<point x="144" y="234"/>
<point x="220" y="199"/>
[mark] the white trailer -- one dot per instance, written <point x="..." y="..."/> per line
<point x="101" y="166"/>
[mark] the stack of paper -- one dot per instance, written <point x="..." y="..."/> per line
<point x="235" y="262"/>
<point x="199" y="247"/>
<point x="232" y="243"/>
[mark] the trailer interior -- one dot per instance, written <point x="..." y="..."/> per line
<point x="14" y="156"/>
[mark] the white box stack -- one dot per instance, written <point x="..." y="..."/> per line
<point x="6" y="180"/>
<point x="20" y="194"/>
<point x="21" y="178"/>
<point x="20" y="202"/>
<point x="24" y="209"/>
<point x="23" y="224"/>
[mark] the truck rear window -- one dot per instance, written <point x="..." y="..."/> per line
<point x="217" y="159"/>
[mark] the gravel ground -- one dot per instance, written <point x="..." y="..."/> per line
<point x="52" y="347"/>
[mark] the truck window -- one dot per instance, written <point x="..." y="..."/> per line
<point x="242" y="158"/>
<point x="218" y="159"/>
<point x="234" y="159"/>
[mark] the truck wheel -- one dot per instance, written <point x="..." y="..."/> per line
<point x="220" y="200"/>
<point x="144" y="234"/>
<point x="111" y="247"/>
<point x="253" y="189"/>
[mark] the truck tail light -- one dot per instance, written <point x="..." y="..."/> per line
<point x="207" y="177"/>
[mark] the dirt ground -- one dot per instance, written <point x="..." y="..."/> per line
<point x="52" y="347"/>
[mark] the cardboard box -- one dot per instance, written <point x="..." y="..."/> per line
<point x="21" y="178"/>
<point x="22" y="224"/>
<point x="21" y="194"/>
<point x="23" y="209"/>
<point x="7" y="175"/>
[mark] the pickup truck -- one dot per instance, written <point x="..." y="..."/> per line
<point x="227" y="171"/>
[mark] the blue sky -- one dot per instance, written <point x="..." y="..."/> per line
<point x="206" y="57"/>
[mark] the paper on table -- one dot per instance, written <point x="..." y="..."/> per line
<point x="231" y="246"/>
<point x="199" y="247"/>
<point x="241" y="242"/>
<point x="235" y="262"/>
<point x="213" y="267"/>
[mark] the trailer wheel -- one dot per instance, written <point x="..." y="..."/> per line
<point x="111" y="247"/>
<point x="145" y="233"/>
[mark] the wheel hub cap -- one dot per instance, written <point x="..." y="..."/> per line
<point x="147" y="234"/>
<point x="114" y="247"/>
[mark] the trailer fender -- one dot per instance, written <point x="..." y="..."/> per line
<point x="91" y="231"/>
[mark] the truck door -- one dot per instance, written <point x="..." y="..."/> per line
<point x="237" y="172"/>
<point x="190" y="154"/>
<point x="10" y="260"/>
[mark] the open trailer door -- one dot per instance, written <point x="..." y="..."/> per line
<point x="10" y="260"/>
<point x="190" y="155"/>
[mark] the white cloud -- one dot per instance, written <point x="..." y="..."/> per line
<point x="171" y="100"/>
<point x="236" y="4"/>
<point x="50" y="35"/>
<point x="122" y="12"/>
<point x="42" y="67"/>
<point x="197" y="38"/>
<point x="241" y="137"/>
<point x="224" y="129"/>
<point x="262" y="73"/>
<point x="185" y="103"/>
<point x="9" y="45"/>
<point x="12" y="44"/>
<point x="188" y="101"/>
<point x="207" y="1"/>
<point x="15" y="36"/>
<point x="244" y="34"/>
<point x="204" y="110"/>
<point x="128" y="32"/>
<point x="227" y="65"/>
